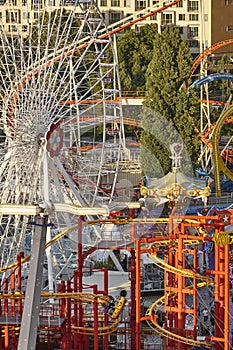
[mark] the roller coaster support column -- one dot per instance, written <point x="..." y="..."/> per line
<point x="19" y="281"/>
<point x="80" y="281"/>
<point x="29" y="325"/>
<point x="222" y="302"/>
<point x="181" y="295"/>
<point x="95" y="291"/>
<point x="138" y="296"/>
<point x="226" y="298"/>
<point x="62" y="309"/>
<point x="13" y="313"/>
<point x="133" y="298"/>
<point x="195" y="308"/>
<point x="6" y="313"/>
<point x="75" y="316"/>
<point x="105" y="292"/>
<point x="69" y="317"/>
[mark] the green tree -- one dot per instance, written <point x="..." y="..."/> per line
<point x="134" y="54"/>
<point x="172" y="109"/>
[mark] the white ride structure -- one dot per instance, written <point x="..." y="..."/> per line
<point x="60" y="100"/>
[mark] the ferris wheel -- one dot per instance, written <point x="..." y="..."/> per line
<point x="62" y="132"/>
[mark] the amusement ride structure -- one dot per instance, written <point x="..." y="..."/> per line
<point x="62" y="142"/>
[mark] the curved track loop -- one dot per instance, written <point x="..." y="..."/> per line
<point x="218" y="161"/>
<point x="151" y="320"/>
<point x="207" y="52"/>
<point x="89" y="298"/>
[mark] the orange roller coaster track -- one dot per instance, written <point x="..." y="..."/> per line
<point x="207" y="52"/>
<point x="84" y="45"/>
<point x="181" y="240"/>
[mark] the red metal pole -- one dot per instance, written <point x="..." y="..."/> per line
<point x="170" y="281"/>
<point x="75" y="316"/>
<point x="69" y="331"/>
<point x="62" y="302"/>
<point x="216" y="295"/>
<point x="13" y="313"/>
<point x="133" y="298"/>
<point x="221" y="289"/>
<point x="80" y="282"/>
<point x="181" y="302"/>
<point x="132" y="232"/>
<point x="95" y="319"/>
<point x="106" y="316"/>
<point x="195" y="295"/>
<point x="19" y="281"/>
<point x="62" y="311"/>
<point x="6" y="313"/>
<point x="227" y="301"/>
<point x="138" y="296"/>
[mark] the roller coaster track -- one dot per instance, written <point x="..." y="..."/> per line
<point x="207" y="52"/>
<point x="151" y="320"/>
<point x="110" y="31"/>
<point x="122" y="221"/>
<point x="218" y="161"/>
<point x="83" y="297"/>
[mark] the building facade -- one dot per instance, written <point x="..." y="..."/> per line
<point x="201" y="22"/>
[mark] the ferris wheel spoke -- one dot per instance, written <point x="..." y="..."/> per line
<point x="60" y="93"/>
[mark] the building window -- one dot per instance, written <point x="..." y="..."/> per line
<point x="12" y="28"/>
<point x="36" y="4"/>
<point x="193" y="6"/>
<point x="228" y="2"/>
<point x="182" y="17"/>
<point x="13" y="2"/>
<point x="25" y="28"/>
<point x="114" y="17"/>
<point x="24" y="2"/>
<point x="11" y="16"/>
<point x="180" y="4"/>
<point x="103" y="2"/>
<point x="36" y="15"/>
<point x="193" y="17"/>
<point x="192" y="32"/>
<point x="115" y="3"/>
<point x="193" y="43"/>
<point x="166" y="19"/>
<point x="140" y="4"/>
<point x="126" y="3"/>
<point x="154" y="17"/>
<point x="229" y="28"/>
<point x="0" y="14"/>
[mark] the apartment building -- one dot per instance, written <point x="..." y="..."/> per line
<point x="201" y="22"/>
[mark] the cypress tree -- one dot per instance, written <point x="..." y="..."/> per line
<point x="171" y="109"/>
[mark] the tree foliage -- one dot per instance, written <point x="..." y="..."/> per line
<point x="172" y="109"/>
<point x="134" y="54"/>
